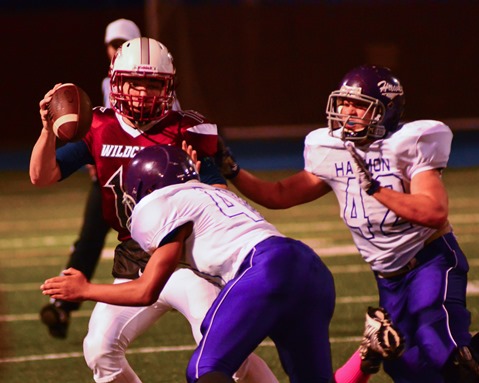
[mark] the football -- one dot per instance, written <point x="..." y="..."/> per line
<point x="71" y="112"/>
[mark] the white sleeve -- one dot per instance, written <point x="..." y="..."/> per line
<point x="154" y="218"/>
<point x="321" y="149"/>
<point x="431" y="145"/>
<point x="313" y="153"/>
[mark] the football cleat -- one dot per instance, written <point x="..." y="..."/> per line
<point x="381" y="340"/>
<point x="463" y="365"/>
<point x="474" y="345"/>
<point x="56" y="319"/>
<point x="466" y="363"/>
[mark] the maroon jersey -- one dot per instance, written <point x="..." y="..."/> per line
<point x="112" y="144"/>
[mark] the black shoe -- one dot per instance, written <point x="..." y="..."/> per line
<point x="56" y="319"/>
<point x="475" y="343"/>
<point x="371" y="364"/>
<point x="463" y="366"/>
<point x="466" y="358"/>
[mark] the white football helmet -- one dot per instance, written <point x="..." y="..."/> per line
<point x="142" y="58"/>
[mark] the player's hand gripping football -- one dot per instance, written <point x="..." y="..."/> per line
<point x="44" y="112"/>
<point x="361" y="171"/>
<point x="68" y="287"/>
<point x="226" y="161"/>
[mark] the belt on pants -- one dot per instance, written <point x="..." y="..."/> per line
<point x="416" y="261"/>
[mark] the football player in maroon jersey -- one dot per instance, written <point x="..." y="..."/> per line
<point x="142" y="94"/>
<point x="87" y="248"/>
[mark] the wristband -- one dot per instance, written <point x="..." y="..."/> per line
<point x="374" y="187"/>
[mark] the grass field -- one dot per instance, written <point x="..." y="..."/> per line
<point x="37" y="227"/>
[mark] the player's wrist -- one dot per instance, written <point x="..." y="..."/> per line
<point x="233" y="171"/>
<point x="47" y="130"/>
<point x="373" y="187"/>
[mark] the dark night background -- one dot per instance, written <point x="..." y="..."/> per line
<point x="247" y="63"/>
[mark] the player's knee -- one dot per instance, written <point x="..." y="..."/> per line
<point x="463" y="366"/>
<point x="91" y="351"/>
<point x="102" y="355"/>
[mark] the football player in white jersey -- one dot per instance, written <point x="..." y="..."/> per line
<point x="386" y="176"/>
<point x="267" y="281"/>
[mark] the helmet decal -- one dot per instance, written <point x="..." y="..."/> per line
<point x="390" y="90"/>
<point x="350" y="90"/>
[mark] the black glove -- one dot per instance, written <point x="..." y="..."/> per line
<point x="225" y="160"/>
<point x="361" y="171"/>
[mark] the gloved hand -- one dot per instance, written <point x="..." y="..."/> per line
<point x="381" y="338"/>
<point x="361" y="171"/>
<point x="226" y="161"/>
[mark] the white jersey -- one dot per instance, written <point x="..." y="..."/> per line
<point x="384" y="240"/>
<point x="225" y="227"/>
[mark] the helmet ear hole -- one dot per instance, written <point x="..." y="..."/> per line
<point x="138" y="191"/>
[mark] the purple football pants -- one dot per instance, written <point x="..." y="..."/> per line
<point x="428" y="304"/>
<point x="282" y="291"/>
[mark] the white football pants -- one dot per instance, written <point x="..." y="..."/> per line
<point x="112" y="329"/>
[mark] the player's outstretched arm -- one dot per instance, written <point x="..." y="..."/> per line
<point x="300" y="188"/>
<point x="143" y="291"/>
<point x="44" y="169"/>
<point x="297" y="189"/>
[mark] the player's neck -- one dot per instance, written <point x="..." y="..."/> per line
<point x="141" y="127"/>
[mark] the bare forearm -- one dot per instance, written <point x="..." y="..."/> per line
<point x="73" y="285"/>
<point x="416" y="208"/>
<point x="297" y="189"/>
<point x="43" y="165"/>
<point x="122" y="294"/>
<point x="257" y="190"/>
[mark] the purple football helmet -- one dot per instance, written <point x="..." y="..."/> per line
<point x="153" y="168"/>
<point x="375" y="88"/>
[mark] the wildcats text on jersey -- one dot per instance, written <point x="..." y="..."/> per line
<point x="119" y="151"/>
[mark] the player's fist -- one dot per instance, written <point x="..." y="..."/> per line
<point x="68" y="287"/>
<point x="226" y="161"/>
<point x="361" y="171"/>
